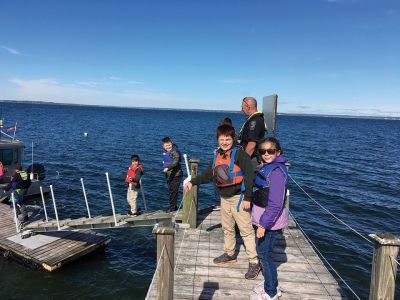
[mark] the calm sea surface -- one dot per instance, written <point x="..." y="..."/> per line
<point x="350" y="166"/>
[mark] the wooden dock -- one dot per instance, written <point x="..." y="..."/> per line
<point x="48" y="251"/>
<point x="302" y="275"/>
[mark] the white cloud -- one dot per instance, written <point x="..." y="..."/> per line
<point x="93" y="93"/>
<point x="391" y="12"/>
<point x="338" y="109"/>
<point x="136" y="82"/>
<point x="11" y="50"/>
<point x="235" y="81"/>
<point x="114" y="78"/>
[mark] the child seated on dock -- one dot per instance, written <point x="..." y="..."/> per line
<point x="135" y="172"/>
<point x="234" y="175"/>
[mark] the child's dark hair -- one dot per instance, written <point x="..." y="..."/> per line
<point x="166" y="140"/>
<point x="135" y="157"/>
<point x="273" y="141"/>
<point x="226" y="130"/>
<point x="226" y="121"/>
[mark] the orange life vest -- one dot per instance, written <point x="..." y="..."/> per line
<point x="132" y="174"/>
<point x="225" y="171"/>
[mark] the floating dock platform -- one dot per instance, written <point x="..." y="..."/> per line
<point x="301" y="273"/>
<point x="48" y="251"/>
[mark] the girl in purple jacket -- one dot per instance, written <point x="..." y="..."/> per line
<point x="269" y="214"/>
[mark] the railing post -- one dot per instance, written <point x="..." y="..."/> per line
<point x="165" y="236"/>
<point x="384" y="268"/>
<point x="190" y="199"/>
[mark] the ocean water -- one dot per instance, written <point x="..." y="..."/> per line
<point x="350" y="166"/>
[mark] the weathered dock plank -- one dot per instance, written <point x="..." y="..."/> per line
<point x="302" y="275"/>
<point x="48" y="251"/>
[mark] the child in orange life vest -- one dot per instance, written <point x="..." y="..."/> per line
<point x="234" y="176"/>
<point x="135" y="172"/>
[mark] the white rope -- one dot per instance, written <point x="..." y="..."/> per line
<point x="319" y="252"/>
<point x="396" y="261"/>
<point x="183" y="238"/>
<point x="179" y="207"/>
<point x="155" y="273"/>
<point x="179" y="253"/>
<point x="365" y="238"/>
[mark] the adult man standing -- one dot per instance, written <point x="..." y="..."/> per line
<point x="253" y="130"/>
<point x="19" y="183"/>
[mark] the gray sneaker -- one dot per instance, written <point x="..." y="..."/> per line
<point x="224" y="259"/>
<point x="259" y="289"/>
<point x="252" y="272"/>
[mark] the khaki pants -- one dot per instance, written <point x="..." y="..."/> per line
<point x="131" y="197"/>
<point x="230" y="216"/>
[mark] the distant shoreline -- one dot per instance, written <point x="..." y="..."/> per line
<point x="203" y="110"/>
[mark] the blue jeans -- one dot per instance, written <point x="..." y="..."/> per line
<point x="265" y="247"/>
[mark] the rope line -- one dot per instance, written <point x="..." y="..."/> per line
<point x="319" y="252"/>
<point x="305" y="257"/>
<point x="183" y="238"/>
<point x="155" y="272"/>
<point x="396" y="261"/>
<point x="180" y="248"/>
<point x="320" y="205"/>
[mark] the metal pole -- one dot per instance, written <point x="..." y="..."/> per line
<point x="31" y="176"/>
<point x="144" y="199"/>
<point x="15" y="212"/>
<point x="187" y="170"/>
<point x="187" y="164"/>
<point x="84" y="194"/>
<point x="44" y="204"/>
<point x="54" y="205"/>
<point x="111" y="198"/>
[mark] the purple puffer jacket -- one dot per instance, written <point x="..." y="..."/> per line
<point x="275" y="216"/>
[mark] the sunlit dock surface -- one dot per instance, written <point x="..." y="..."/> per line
<point x="49" y="251"/>
<point x="302" y="275"/>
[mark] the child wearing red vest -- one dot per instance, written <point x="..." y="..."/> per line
<point x="135" y="172"/>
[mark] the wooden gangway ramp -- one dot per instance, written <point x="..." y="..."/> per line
<point x="302" y="275"/>
<point x="48" y="251"/>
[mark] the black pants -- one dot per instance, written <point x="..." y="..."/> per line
<point x="173" y="188"/>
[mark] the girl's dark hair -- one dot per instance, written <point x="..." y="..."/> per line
<point x="273" y="141"/>
<point x="227" y="130"/>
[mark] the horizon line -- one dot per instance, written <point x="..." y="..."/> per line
<point x="38" y="102"/>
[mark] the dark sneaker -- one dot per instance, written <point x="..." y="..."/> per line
<point x="224" y="259"/>
<point x="252" y="272"/>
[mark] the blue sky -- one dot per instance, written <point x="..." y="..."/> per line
<point x="319" y="56"/>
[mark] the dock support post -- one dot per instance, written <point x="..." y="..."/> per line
<point x="84" y="195"/>
<point x="165" y="236"/>
<point x="55" y="207"/>
<point x="44" y="204"/>
<point x="111" y="198"/>
<point x="190" y="199"/>
<point x="384" y="267"/>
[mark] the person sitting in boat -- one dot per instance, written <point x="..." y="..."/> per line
<point x="234" y="175"/>
<point x="135" y="172"/>
<point x="269" y="214"/>
<point x="20" y="182"/>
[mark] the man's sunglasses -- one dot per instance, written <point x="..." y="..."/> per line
<point x="270" y="151"/>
